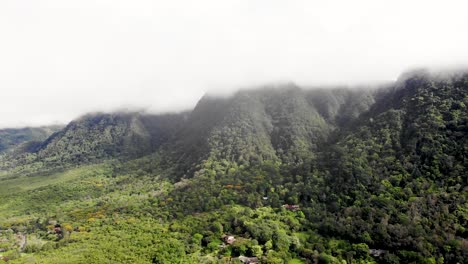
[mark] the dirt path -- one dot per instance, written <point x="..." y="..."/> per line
<point x="21" y="238"/>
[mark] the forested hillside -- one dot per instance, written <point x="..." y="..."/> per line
<point x="270" y="175"/>
<point x="11" y="138"/>
<point x="96" y="137"/>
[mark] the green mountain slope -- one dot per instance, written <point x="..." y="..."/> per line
<point x="100" y="136"/>
<point x="303" y="175"/>
<point x="285" y="123"/>
<point x="13" y="137"/>
<point x="399" y="179"/>
<point x="97" y="137"/>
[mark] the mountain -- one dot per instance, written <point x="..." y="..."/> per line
<point x="387" y="169"/>
<point x="277" y="173"/>
<point x="99" y="136"/>
<point x="400" y="176"/>
<point x="283" y="123"/>
<point x="267" y="123"/>
<point x="13" y="137"/>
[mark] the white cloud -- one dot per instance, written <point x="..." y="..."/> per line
<point x="60" y="59"/>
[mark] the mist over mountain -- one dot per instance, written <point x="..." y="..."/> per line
<point x="228" y="132"/>
<point x="162" y="56"/>
<point x="375" y="174"/>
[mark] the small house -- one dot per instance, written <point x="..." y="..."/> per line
<point x="229" y="239"/>
<point x="292" y="207"/>
<point x="377" y="252"/>
<point x="247" y="260"/>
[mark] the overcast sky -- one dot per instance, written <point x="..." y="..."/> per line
<point x="62" y="58"/>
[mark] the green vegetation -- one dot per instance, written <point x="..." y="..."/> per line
<point x="11" y="138"/>
<point x="279" y="175"/>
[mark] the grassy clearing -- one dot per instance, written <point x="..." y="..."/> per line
<point x="10" y="185"/>
<point x="28" y="195"/>
<point x="295" y="261"/>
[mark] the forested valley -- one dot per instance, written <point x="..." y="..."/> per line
<point x="276" y="174"/>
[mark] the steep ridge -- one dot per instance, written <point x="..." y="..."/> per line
<point x="283" y="123"/>
<point x="13" y="137"/>
<point x="401" y="174"/>
<point x="189" y="146"/>
<point x="96" y="137"/>
<point x="244" y="133"/>
<point x="421" y="124"/>
<point x="341" y="106"/>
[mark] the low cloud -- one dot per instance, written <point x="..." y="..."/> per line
<point x="61" y="59"/>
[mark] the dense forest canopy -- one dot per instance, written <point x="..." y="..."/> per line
<point x="269" y="175"/>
